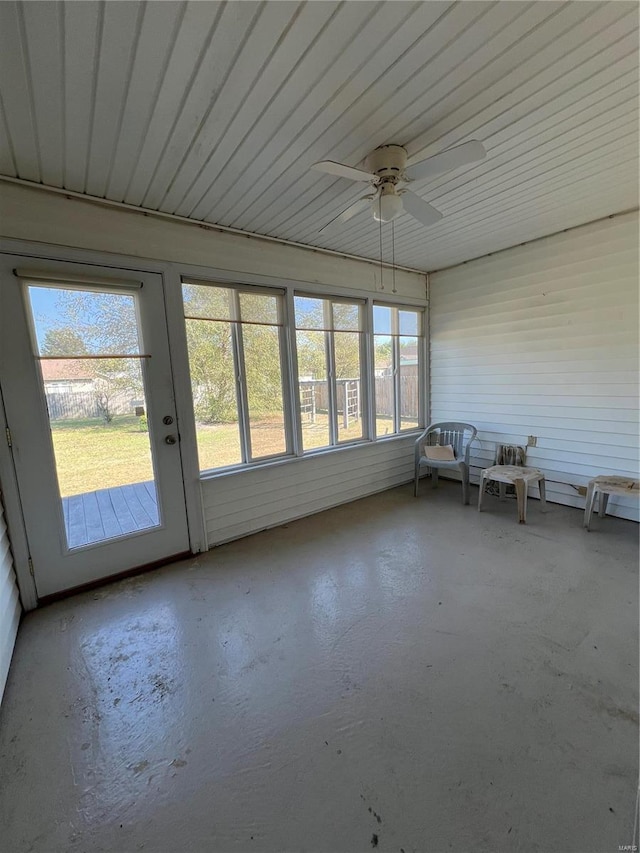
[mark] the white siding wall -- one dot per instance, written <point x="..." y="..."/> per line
<point x="542" y="340"/>
<point x="9" y="604"/>
<point x="253" y="500"/>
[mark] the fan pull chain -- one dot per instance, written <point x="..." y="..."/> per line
<point x="393" y="255"/>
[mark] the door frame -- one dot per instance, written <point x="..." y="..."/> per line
<point x="179" y="366"/>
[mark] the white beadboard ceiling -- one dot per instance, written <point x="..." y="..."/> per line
<point x="215" y="111"/>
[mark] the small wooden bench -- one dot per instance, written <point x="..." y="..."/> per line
<point x="518" y="477"/>
<point x="603" y="486"/>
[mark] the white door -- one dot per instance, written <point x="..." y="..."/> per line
<point x="86" y="379"/>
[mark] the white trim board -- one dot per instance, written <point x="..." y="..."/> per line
<point x="33" y="215"/>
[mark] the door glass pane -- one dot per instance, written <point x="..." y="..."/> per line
<point x="213" y="385"/>
<point x="83" y="322"/>
<point x="97" y="411"/>
<point x="263" y="376"/>
<point x="348" y="385"/>
<point x="409" y="408"/>
<point x="384" y="385"/>
<point x="313" y="389"/>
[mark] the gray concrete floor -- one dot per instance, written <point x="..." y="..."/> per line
<point x="396" y="672"/>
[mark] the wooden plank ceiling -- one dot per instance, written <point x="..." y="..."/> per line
<point x="215" y="111"/>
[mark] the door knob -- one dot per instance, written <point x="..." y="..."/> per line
<point x="171" y="439"/>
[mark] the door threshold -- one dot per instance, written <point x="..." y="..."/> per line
<point x="128" y="573"/>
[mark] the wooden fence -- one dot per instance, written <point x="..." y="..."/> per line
<point x="314" y="396"/>
<point x="408" y="396"/>
<point x="81" y="405"/>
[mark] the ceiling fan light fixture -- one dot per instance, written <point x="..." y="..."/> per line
<point x="387" y="207"/>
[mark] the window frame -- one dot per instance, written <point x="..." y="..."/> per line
<point x="287" y="290"/>
<point x="329" y="332"/>
<point x="396" y="364"/>
<point x="236" y="324"/>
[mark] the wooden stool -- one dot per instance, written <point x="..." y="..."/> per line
<point x="603" y="486"/>
<point x="518" y="477"/>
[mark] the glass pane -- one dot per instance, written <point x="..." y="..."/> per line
<point x="409" y="407"/>
<point x="384" y="386"/>
<point x="346" y="316"/>
<point x="348" y="385"/>
<point x="264" y="390"/>
<point x="213" y="385"/>
<point x="309" y="313"/>
<point x="208" y="301"/>
<point x="409" y="322"/>
<point x="83" y="322"/>
<point x="255" y="308"/>
<point x="382" y="320"/>
<point x="313" y="389"/>
<point x="97" y="412"/>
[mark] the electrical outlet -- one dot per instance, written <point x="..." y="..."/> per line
<point x="532" y="440"/>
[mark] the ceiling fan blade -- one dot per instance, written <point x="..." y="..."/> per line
<point x="340" y="170"/>
<point x="420" y="209"/>
<point x="453" y="158"/>
<point x="347" y="214"/>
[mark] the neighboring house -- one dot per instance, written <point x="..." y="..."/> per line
<point x="65" y="376"/>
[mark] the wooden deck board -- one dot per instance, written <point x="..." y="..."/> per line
<point x="109" y="519"/>
<point x="123" y="513"/>
<point x="92" y="517"/>
<point x="150" y="486"/>
<point x="141" y="516"/>
<point x="77" y="526"/>
<point x="107" y="513"/>
<point x="146" y="500"/>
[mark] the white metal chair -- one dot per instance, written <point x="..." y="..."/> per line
<point x="459" y="436"/>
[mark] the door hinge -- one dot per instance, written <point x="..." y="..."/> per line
<point x="31" y="567"/>
<point x="8" y="434"/>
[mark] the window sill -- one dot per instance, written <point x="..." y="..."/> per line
<point x="313" y="454"/>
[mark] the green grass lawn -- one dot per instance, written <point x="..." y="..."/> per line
<point x="92" y="455"/>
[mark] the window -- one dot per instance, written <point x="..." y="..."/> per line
<point x="329" y="343"/>
<point x="236" y="357"/>
<point x="398" y="345"/>
<point x="244" y="343"/>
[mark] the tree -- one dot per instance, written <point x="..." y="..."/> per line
<point x="211" y="312"/>
<point x="61" y="341"/>
<point x="93" y="323"/>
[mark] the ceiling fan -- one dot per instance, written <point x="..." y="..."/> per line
<point x="388" y="174"/>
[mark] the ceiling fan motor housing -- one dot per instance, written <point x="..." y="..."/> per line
<point x="388" y="162"/>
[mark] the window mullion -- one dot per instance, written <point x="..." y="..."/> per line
<point x="396" y="383"/>
<point x="395" y="348"/>
<point x="367" y="371"/>
<point x="329" y="340"/>
<point x="293" y="415"/>
<point x="241" y="382"/>
<point x="424" y="372"/>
